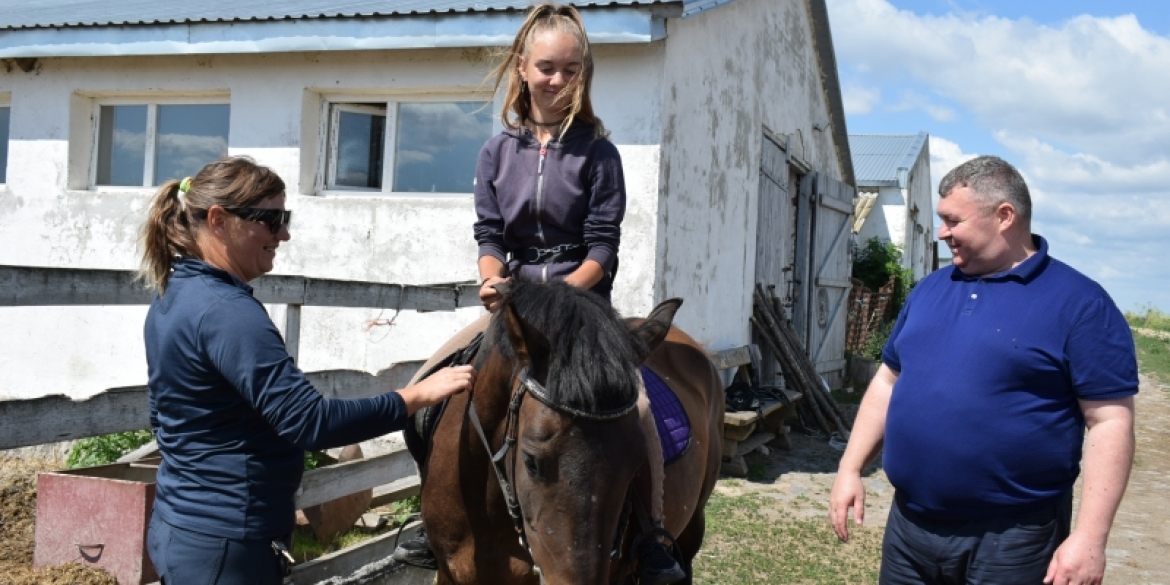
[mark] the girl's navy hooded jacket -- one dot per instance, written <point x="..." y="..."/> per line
<point x="574" y="193"/>
<point x="232" y="414"/>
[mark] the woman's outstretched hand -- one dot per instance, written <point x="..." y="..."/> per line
<point x="438" y="387"/>
<point x="490" y="297"/>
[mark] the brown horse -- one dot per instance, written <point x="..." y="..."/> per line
<point x="555" y="398"/>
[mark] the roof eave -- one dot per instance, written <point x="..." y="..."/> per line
<point x="615" y="25"/>
<point x="823" y="37"/>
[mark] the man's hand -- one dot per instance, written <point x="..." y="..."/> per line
<point x="438" y="387"/>
<point x="490" y="297"/>
<point x="848" y="492"/>
<point x="1080" y="560"/>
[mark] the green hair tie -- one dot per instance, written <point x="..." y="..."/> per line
<point x="185" y="185"/>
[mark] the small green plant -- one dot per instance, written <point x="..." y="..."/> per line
<point x="315" y="459"/>
<point x="1149" y="317"/>
<point x="1153" y="356"/>
<point x="875" y="262"/>
<point x="877" y="341"/>
<point x="106" y="448"/>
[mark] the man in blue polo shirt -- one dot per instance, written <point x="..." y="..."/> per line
<point x="995" y="367"/>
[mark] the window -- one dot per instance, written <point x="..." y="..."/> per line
<point x="5" y="113"/>
<point x="410" y="147"/>
<point x="145" y="145"/>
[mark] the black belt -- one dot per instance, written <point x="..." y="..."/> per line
<point x="561" y="253"/>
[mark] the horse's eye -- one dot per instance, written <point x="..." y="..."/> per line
<point x="531" y="466"/>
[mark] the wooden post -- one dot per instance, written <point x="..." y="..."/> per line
<point x="292" y="330"/>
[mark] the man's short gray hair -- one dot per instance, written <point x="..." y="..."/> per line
<point x="993" y="181"/>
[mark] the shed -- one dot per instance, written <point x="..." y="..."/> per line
<point x="727" y="115"/>
<point x="894" y="201"/>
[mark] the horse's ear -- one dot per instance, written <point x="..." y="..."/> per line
<point x="654" y="329"/>
<point x="526" y="340"/>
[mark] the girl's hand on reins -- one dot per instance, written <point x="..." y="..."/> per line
<point x="438" y="387"/>
<point x="489" y="296"/>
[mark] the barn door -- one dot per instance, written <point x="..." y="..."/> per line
<point x="819" y="312"/>
<point x="773" y="232"/>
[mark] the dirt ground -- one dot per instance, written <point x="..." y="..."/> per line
<point x="800" y="480"/>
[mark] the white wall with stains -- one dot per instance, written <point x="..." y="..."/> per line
<point x="49" y="216"/>
<point x="730" y="72"/>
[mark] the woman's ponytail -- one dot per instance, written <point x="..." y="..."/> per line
<point x="166" y="234"/>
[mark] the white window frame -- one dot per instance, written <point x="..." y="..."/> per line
<point x="6" y="102"/>
<point x="331" y="104"/>
<point x="334" y="127"/>
<point x="152" y="103"/>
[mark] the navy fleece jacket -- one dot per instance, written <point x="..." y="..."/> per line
<point x="231" y="412"/>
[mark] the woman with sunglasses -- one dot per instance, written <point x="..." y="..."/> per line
<point x="231" y="412"/>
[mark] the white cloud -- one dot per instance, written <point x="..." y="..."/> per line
<point x="1081" y="107"/>
<point x="944" y="156"/>
<point x="1098" y="85"/>
<point x="912" y="100"/>
<point x="860" y="100"/>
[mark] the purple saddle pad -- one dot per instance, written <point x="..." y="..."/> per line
<point x="674" y="429"/>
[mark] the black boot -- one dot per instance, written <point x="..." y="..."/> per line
<point x="656" y="566"/>
<point x="417" y="552"/>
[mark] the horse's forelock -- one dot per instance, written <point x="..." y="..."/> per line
<point x="593" y="358"/>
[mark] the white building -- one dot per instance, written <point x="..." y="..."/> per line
<point x="723" y="110"/>
<point x="894" y="201"/>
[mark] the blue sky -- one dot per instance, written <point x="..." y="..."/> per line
<point x="1075" y="93"/>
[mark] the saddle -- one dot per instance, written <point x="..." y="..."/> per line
<point x="420" y="429"/>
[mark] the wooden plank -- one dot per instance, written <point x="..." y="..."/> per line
<point x="737" y="433"/>
<point x="834" y="282"/>
<point x="332" y="482"/>
<point x="36" y="286"/>
<point x="731" y="358"/>
<point x="396" y="491"/>
<point x="50" y="419"/>
<point x="740" y="419"/>
<point x="733" y="449"/>
<point x="835" y="204"/>
<point x="371" y="558"/>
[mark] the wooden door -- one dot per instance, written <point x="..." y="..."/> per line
<point x="830" y="266"/>
<point x="774" y="225"/>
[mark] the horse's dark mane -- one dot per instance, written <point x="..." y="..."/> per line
<point x="594" y="358"/>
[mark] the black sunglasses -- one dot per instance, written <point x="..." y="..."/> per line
<point x="274" y="219"/>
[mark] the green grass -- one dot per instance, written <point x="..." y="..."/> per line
<point x="1153" y="356"/>
<point x="1149" y="317"/>
<point x="751" y="539"/>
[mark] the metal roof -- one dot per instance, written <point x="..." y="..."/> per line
<point x="885" y="159"/>
<point x="23" y="14"/>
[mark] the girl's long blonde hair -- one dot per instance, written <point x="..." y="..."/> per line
<point x="544" y="17"/>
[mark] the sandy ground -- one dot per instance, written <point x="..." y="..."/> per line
<point x="1139" y="546"/>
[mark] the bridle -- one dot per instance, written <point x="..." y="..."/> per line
<point x="526" y="384"/>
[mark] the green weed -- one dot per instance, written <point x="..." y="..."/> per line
<point x="1153" y="356"/>
<point x="105" y="449"/>
<point x="1149" y="317"/>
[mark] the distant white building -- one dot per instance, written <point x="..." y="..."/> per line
<point x="894" y="199"/>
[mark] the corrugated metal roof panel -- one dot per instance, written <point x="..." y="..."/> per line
<point x="59" y="13"/>
<point x="877" y="158"/>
